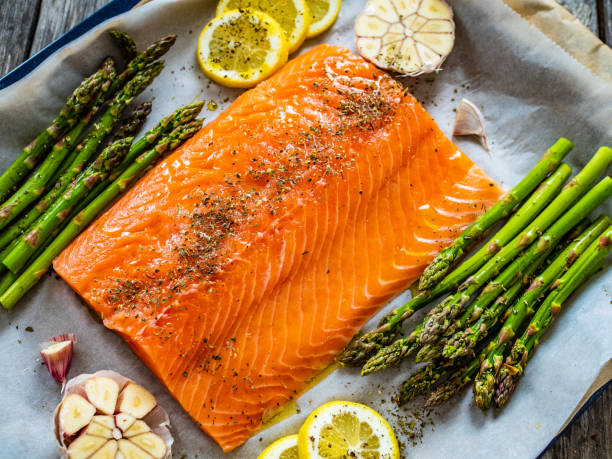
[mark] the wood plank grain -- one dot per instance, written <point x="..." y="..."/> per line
<point x="17" y="21"/>
<point x="584" y="10"/>
<point x="589" y="436"/>
<point x="605" y="20"/>
<point x="58" y="16"/>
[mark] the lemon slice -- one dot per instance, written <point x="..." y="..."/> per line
<point x="292" y="15"/>
<point x="323" y="14"/>
<point x="241" y="48"/>
<point x="285" y="448"/>
<point x="346" y="429"/>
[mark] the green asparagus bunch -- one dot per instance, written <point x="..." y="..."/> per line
<point x="394" y="353"/>
<point x="34" y="187"/>
<point x="494" y="291"/>
<point x="40" y="265"/>
<point x="464" y="341"/>
<point x="484" y="384"/>
<point x="80" y="100"/>
<point x="365" y="346"/>
<point x="524" y="347"/>
<point x="440" y="317"/>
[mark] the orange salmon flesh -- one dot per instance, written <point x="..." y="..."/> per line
<point x="242" y="264"/>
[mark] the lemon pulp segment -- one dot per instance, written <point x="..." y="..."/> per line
<point x="292" y="15"/>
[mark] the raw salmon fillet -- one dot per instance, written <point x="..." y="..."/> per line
<point x="245" y="261"/>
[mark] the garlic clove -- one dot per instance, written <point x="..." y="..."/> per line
<point x="137" y="428"/>
<point x="124" y="421"/>
<point x="84" y="446"/>
<point x="136" y="400"/>
<point x="131" y="451"/>
<point x="469" y="121"/>
<point x="102" y="393"/>
<point x="106" y="421"/>
<point x="75" y="413"/>
<point x="98" y="430"/>
<point x="151" y="443"/>
<point x="108" y="451"/>
<point x="57" y="355"/>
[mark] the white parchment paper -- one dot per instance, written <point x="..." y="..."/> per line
<point x="531" y="92"/>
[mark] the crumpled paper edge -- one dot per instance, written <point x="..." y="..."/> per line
<point x="569" y="33"/>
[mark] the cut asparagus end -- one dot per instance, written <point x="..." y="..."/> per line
<point x="102" y="393"/>
<point x="76" y="412"/>
<point x="136" y="400"/>
<point x="124" y="421"/>
<point x="410" y="37"/>
<point x="85" y="446"/>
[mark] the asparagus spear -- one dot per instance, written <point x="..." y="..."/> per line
<point x="35" y="270"/>
<point x="364" y="346"/>
<point x="125" y="43"/>
<point x="130" y="126"/>
<point x="180" y="116"/>
<point x="475" y="311"/>
<point x="422" y="380"/>
<point x="440" y="265"/>
<point x="485" y="382"/>
<point x="76" y="104"/>
<point x="393" y="354"/>
<point x="463" y="342"/>
<point x="460" y="378"/>
<point x="107" y="73"/>
<point x="441" y="316"/>
<point x="501" y="291"/>
<point x="523" y="348"/>
<point x="30" y="191"/>
<point x="142" y="60"/>
<point x="40" y="231"/>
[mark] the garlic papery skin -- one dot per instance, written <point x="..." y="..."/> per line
<point x="98" y="430"/>
<point x="57" y="354"/>
<point x="408" y="37"/>
<point x="469" y="121"/>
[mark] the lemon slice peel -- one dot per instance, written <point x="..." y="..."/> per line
<point x="284" y="448"/>
<point x="323" y="14"/>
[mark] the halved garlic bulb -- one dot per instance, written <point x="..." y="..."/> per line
<point x="469" y="121"/>
<point x="409" y="37"/>
<point x="105" y="415"/>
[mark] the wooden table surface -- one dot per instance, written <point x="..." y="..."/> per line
<point x="26" y="26"/>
